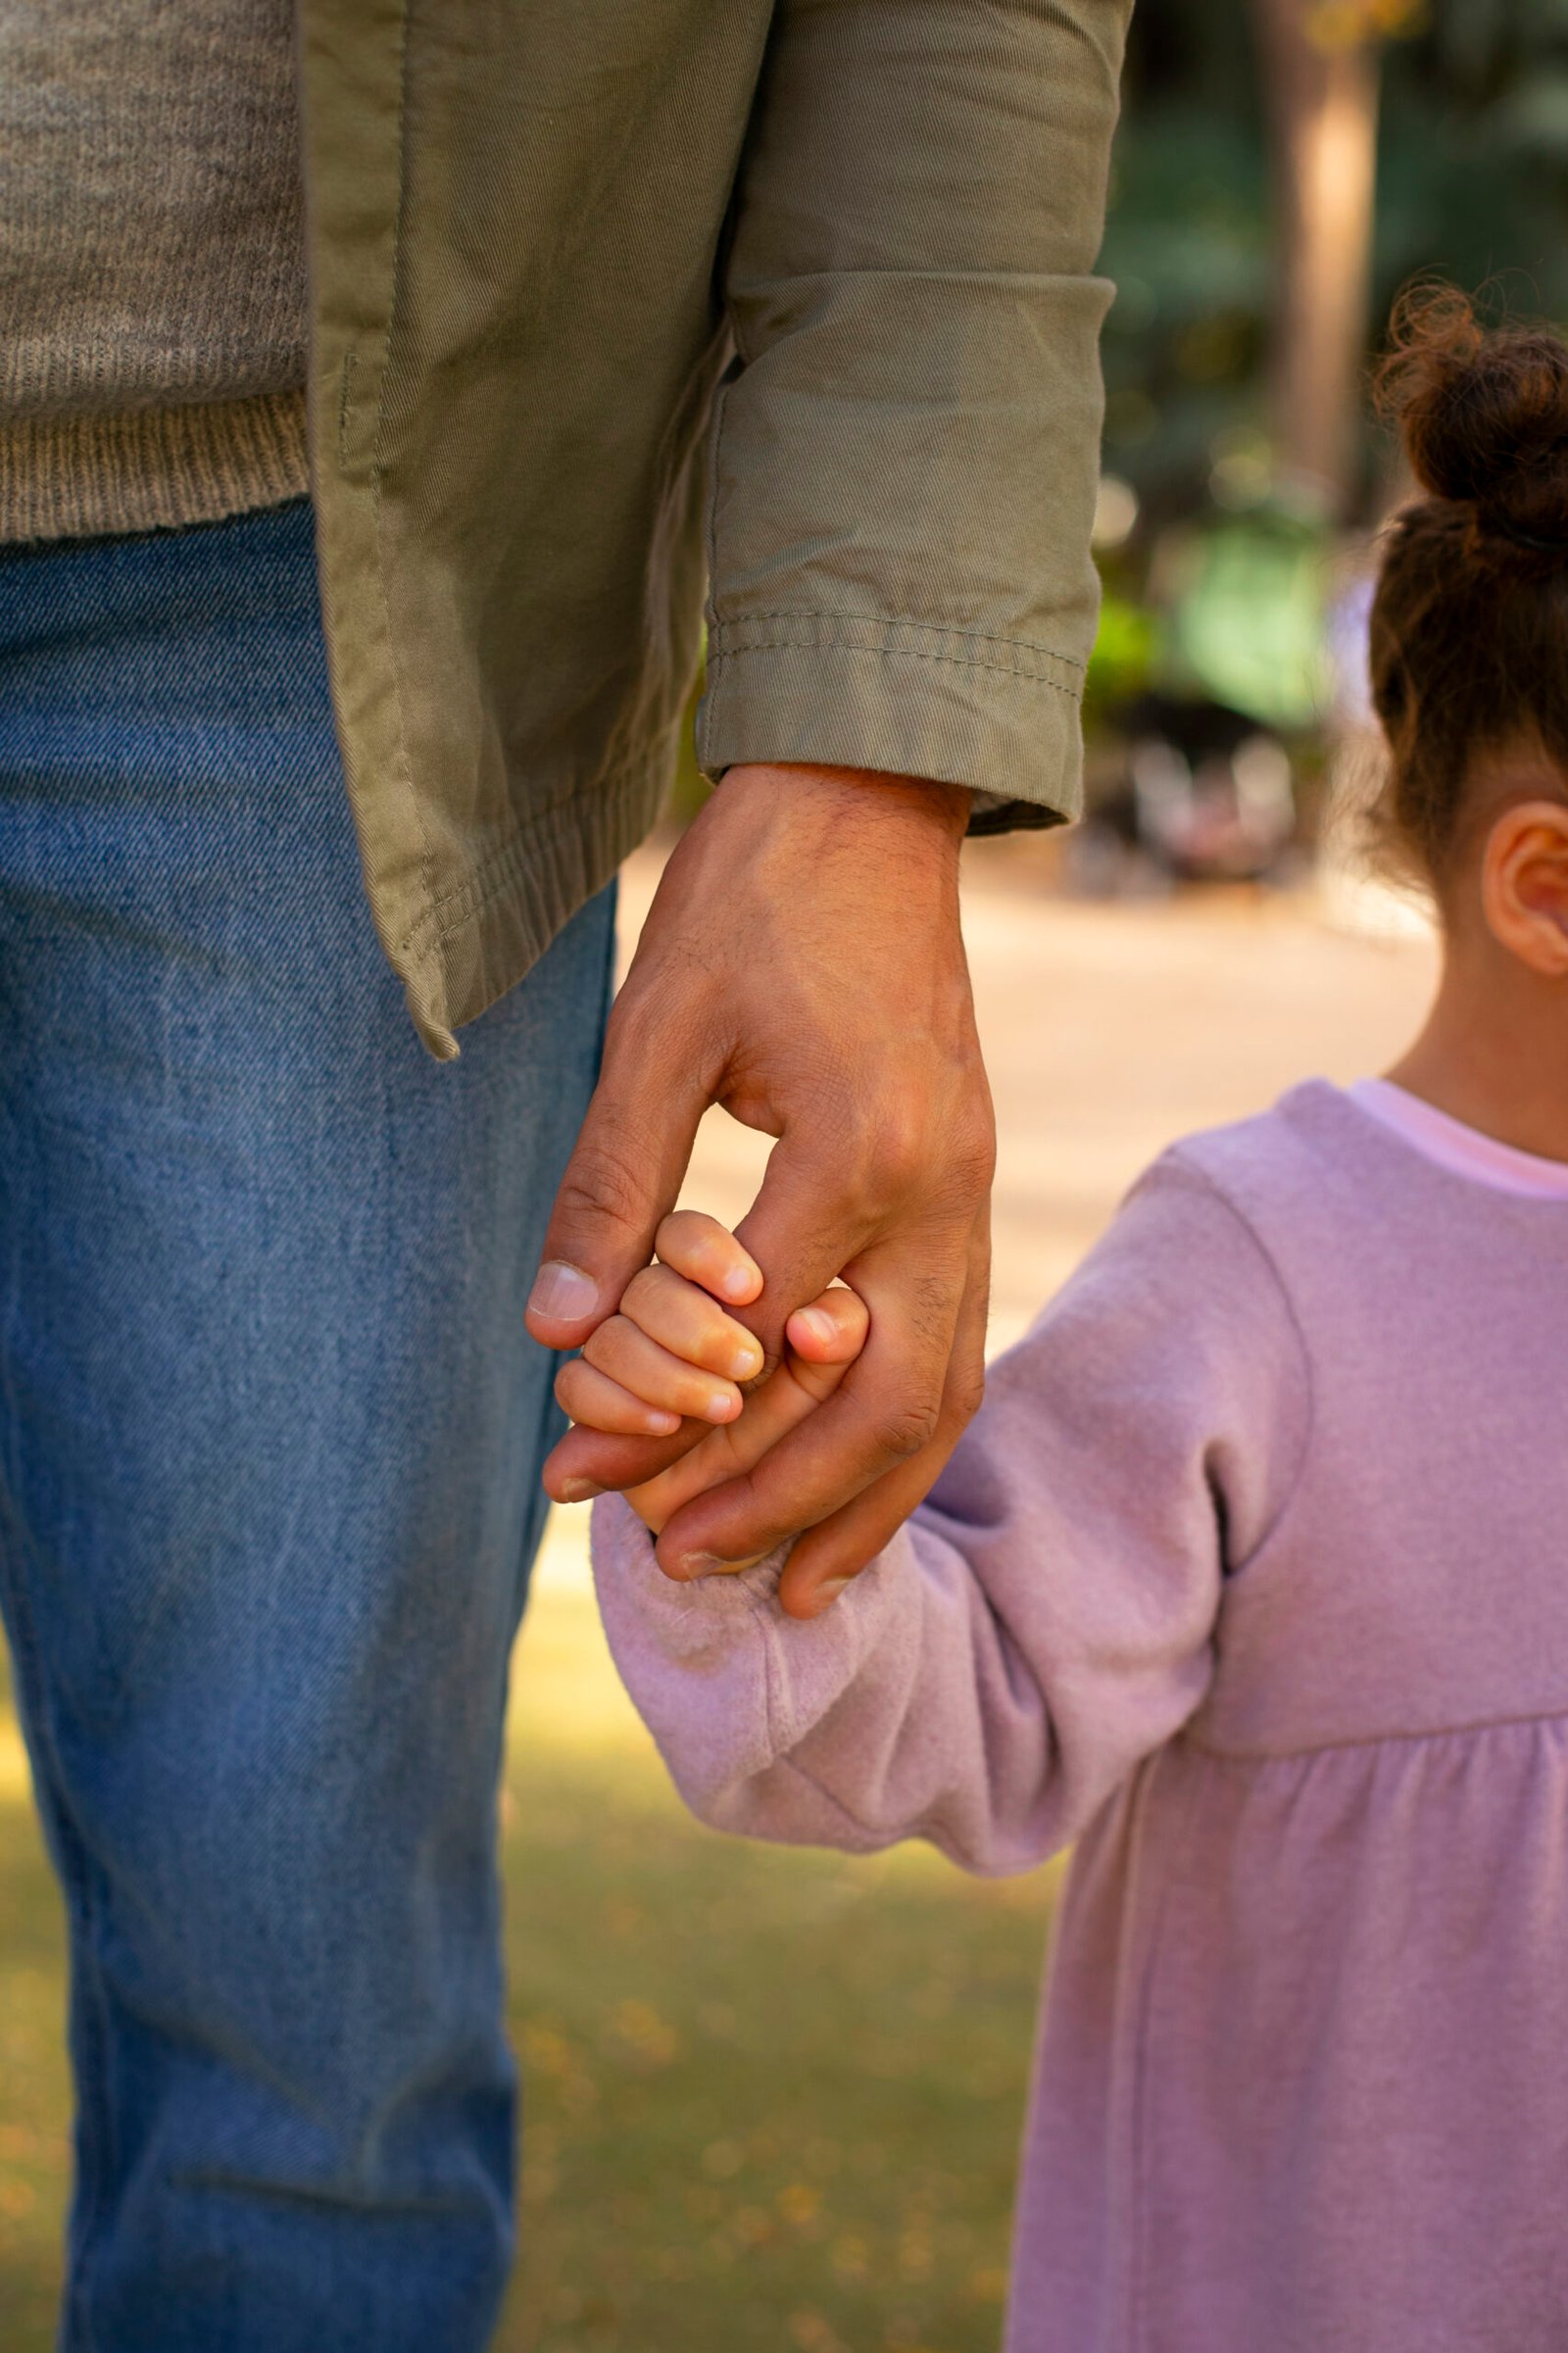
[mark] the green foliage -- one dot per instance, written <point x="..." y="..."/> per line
<point x="1127" y="650"/>
<point x="1247" y="596"/>
<point x="1188" y="247"/>
<point x="1472" y="182"/>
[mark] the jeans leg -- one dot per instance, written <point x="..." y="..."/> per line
<point x="269" y="1436"/>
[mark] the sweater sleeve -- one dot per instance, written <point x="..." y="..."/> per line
<point x="908" y="449"/>
<point x="1045" y="1619"/>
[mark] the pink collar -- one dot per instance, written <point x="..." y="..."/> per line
<point x="1464" y="1150"/>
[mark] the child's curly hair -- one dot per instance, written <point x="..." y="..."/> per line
<point x="1469" y="634"/>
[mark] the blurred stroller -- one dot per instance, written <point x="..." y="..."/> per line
<point x="1199" y="792"/>
<point x="1196" y="779"/>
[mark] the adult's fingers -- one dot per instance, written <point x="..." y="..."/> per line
<point x="592" y="1462"/>
<point x="782" y="1401"/>
<point x="887" y="1409"/>
<point x="835" y="1552"/>
<point x="625" y="1170"/>
<point x="823" y="1198"/>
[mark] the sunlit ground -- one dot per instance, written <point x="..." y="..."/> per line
<point x="774" y="2097"/>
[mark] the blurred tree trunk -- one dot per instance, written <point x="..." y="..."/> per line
<point x="1320" y="95"/>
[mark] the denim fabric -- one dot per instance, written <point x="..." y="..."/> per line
<point x="269" y="1436"/>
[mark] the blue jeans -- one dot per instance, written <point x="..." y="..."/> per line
<point x="271" y="1432"/>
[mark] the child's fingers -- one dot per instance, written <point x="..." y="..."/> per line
<point x="833" y="1329"/>
<point x="723" y="1454"/>
<point x="707" y="1464"/>
<point x="684" y="1319"/>
<point x="785" y="1398"/>
<point x="628" y="1356"/>
<point x="592" y="1397"/>
<point x="699" y="1247"/>
<point x="824" y="1340"/>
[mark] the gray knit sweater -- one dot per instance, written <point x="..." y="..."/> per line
<point x="153" y="310"/>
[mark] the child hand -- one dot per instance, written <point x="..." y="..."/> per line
<point x="673" y="1351"/>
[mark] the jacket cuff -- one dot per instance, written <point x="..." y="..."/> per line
<point x="902" y="696"/>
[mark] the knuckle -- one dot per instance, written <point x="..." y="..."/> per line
<point x="932" y="1303"/>
<point x="973" y="1158"/>
<point x="640" y="1291"/>
<point x="599" y="1188"/>
<point x="910" y="1150"/>
<point x="678" y="1230"/>
<point x="899" y="1153"/>
<point x="600" y="1348"/>
<point x="902" y="1430"/>
<point x="965" y="1396"/>
<point x="638" y="1015"/>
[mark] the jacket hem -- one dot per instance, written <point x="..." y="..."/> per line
<point x="465" y="952"/>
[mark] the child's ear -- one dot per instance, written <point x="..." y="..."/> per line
<point x="1524" y="885"/>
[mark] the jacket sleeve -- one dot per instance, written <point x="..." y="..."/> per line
<point x="908" y="446"/>
<point x="1046" y="1620"/>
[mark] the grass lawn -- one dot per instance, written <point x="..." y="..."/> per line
<point x="772" y="2098"/>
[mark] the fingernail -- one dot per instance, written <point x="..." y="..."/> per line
<point x="745" y="1362"/>
<point x="563" y="1291"/>
<point x="660" y="1423"/>
<point x="828" y="1593"/>
<point x="721" y="1409"/>
<point x="818" y="1322"/>
<point x="579" y="1491"/>
<point x="738" y="1283"/>
<point x="698" y="1564"/>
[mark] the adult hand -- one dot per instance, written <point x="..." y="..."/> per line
<point x="802" y="964"/>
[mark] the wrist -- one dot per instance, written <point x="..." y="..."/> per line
<point x="874" y="792"/>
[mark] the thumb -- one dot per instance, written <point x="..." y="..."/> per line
<point x="803" y="1230"/>
<point x="826" y="1339"/>
<point x="622" y="1179"/>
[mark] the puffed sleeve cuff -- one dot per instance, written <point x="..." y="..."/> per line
<point x="723" y="1680"/>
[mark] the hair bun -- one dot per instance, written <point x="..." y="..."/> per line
<point x="1484" y="412"/>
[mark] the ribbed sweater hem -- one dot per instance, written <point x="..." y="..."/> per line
<point x="76" y="476"/>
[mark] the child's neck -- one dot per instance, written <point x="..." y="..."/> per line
<point x="1494" y="1053"/>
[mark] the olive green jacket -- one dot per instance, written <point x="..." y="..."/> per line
<point x="612" y="294"/>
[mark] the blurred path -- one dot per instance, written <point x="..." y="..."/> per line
<point x="1108" y="1030"/>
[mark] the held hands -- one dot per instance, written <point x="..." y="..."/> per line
<point x="802" y="965"/>
<point x="673" y="1355"/>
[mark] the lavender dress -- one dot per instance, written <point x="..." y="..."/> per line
<point x="1250" y="1578"/>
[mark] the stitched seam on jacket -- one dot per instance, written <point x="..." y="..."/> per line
<point x="959" y="661"/>
<point x="712" y="686"/>
<point x="880" y="620"/>
<point x="490" y="876"/>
